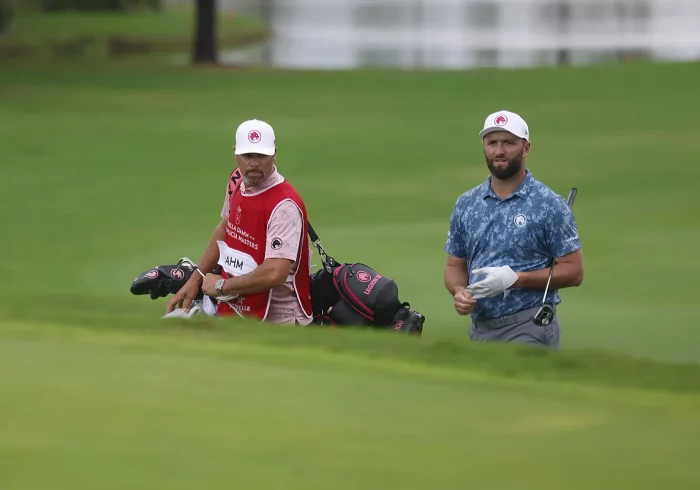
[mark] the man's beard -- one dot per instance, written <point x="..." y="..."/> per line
<point x="254" y="179"/>
<point x="514" y="166"/>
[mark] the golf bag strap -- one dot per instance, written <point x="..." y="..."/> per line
<point x="329" y="263"/>
<point x="313" y="235"/>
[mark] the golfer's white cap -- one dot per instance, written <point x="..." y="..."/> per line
<point x="506" y="121"/>
<point x="255" y="136"/>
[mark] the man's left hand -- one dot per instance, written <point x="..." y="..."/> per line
<point x="497" y="281"/>
<point x="209" y="288"/>
<point x="209" y="284"/>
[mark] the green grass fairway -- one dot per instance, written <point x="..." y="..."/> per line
<point x="107" y="171"/>
<point x="175" y="409"/>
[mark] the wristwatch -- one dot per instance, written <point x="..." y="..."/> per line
<point x="220" y="286"/>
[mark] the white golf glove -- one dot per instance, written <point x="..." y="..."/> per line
<point x="195" y="309"/>
<point x="497" y="281"/>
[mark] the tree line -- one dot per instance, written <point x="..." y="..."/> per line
<point x="204" y="48"/>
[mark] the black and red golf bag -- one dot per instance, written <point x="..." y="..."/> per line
<point x="356" y="294"/>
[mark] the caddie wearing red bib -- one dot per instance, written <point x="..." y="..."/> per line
<point x="261" y="242"/>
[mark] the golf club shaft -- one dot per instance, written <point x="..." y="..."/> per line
<point x="570" y="203"/>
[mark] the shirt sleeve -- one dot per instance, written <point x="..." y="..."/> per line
<point x="561" y="231"/>
<point x="455" y="234"/>
<point x="284" y="232"/>
<point x="225" y="209"/>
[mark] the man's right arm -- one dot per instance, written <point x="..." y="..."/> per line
<point x="456" y="279"/>
<point x="186" y="294"/>
<point x="456" y="282"/>
<point x="211" y="255"/>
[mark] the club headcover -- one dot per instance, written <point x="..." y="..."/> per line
<point x="408" y="320"/>
<point x="162" y="280"/>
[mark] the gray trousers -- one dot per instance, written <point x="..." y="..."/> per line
<point x="517" y="327"/>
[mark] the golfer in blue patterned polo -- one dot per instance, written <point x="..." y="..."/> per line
<point x="502" y="237"/>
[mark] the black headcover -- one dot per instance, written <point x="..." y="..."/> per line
<point x="161" y="280"/>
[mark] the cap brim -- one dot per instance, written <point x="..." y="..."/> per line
<point x="250" y="149"/>
<point x="493" y="129"/>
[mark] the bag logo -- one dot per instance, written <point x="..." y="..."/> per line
<point x="363" y="276"/>
<point x="152" y="274"/>
<point x="177" y="274"/>
<point x="371" y="285"/>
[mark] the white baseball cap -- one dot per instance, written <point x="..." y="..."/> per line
<point x="506" y="121"/>
<point x="255" y="136"/>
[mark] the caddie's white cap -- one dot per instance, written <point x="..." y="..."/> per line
<point x="506" y="121"/>
<point x="255" y="136"/>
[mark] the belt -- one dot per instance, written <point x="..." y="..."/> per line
<point x="502" y="321"/>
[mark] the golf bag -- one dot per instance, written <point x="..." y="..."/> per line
<point x="356" y="294"/>
<point x="351" y="294"/>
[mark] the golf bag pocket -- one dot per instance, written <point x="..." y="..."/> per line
<point x="323" y="293"/>
<point x="371" y="295"/>
<point x="344" y="314"/>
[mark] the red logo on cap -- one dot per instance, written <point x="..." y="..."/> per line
<point x="254" y="136"/>
<point x="500" y="120"/>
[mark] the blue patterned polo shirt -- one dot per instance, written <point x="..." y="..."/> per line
<point x="524" y="231"/>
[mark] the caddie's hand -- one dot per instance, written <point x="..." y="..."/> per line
<point x="464" y="303"/>
<point x="209" y="284"/>
<point x="184" y="297"/>
<point x="497" y="281"/>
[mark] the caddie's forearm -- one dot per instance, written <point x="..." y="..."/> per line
<point x="211" y="255"/>
<point x="565" y="275"/>
<point x="264" y="278"/>
<point x="455" y="279"/>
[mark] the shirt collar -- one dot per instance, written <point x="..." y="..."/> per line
<point x="521" y="191"/>
<point x="271" y="180"/>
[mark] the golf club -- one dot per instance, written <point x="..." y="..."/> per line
<point x="186" y="260"/>
<point x="545" y="315"/>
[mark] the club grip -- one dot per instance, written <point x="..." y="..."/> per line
<point x="572" y="196"/>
